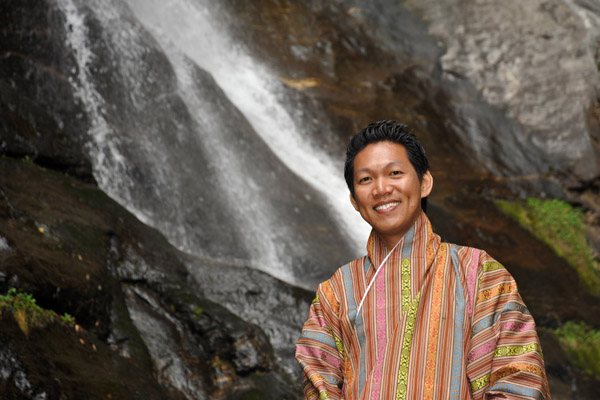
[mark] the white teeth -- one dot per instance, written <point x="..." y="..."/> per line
<point x="387" y="205"/>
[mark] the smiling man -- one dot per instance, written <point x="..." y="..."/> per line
<point x="416" y="318"/>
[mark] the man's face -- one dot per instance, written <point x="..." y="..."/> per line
<point x="387" y="190"/>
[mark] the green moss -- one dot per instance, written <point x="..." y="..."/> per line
<point x="582" y="345"/>
<point x="68" y="319"/>
<point x="85" y="239"/>
<point x="124" y="327"/>
<point x="198" y="311"/>
<point x="27" y="313"/>
<point x="562" y="227"/>
<point x="89" y="195"/>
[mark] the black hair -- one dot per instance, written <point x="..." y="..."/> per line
<point x="386" y="131"/>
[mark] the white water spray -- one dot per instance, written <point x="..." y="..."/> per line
<point x="189" y="27"/>
<point x="106" y="158"/>
<point x="120" y="153"/>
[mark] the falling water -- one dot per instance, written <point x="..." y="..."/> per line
<point x="190" y="26"/>
<point x="104" y="146"/>
<point x="178" y="145"/>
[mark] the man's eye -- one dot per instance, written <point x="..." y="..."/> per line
<point x="364" y="179"/>
<point x="396" y="173"/>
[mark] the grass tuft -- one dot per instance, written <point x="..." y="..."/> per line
<point x="582" y="345"/>
<point x="27" y="313"/>
<point x="562" y="227"/>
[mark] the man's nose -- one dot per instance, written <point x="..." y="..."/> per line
<point x="381" y="187"/>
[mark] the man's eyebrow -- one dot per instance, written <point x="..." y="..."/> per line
<point x="388" y="165"/>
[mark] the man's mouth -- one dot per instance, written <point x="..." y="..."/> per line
<point x="386" y="206"/>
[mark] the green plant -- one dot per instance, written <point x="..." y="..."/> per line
<point x="27" y="313"/>
<point x="68" y="319"/>
<point x="581" y="343"/>
<point x="562" y="227"/>
<point x="198" y="312"/>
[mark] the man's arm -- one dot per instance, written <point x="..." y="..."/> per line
<point x="318" y="349"/>
<point x="505" y="357"/>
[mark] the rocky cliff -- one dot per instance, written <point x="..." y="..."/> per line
<point x="140" y="193"/>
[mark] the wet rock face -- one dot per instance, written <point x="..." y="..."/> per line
<point x="58" y="362"/>
<point x="40" y="114"/>
<point x="78" y="252"/>
<point x="279" y="309"/>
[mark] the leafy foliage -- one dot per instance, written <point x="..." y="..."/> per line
<point x="198" y="312"/>
<point x="27" y="313"/>
<point x="582" y="345"/>
<point x="562" y="227"/>
<point x="68" y="319"/>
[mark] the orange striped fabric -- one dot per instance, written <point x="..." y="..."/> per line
<point x="439" y="322"/>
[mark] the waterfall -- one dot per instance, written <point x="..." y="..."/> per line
<point x="190" y="27"/>
<point x="104" y="147"/>
<point x="191" y="135"/>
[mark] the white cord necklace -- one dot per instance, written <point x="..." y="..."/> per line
<point x="373" y="279"/>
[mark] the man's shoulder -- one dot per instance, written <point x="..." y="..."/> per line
<point x="472" y="256"/>
<point x="477" y="264"/>
<point x="355" y="265"/>
<point x="350" y="268"/>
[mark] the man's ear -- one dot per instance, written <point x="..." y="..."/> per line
<point x="353" y="202"/>
<point x="426" y="184"/>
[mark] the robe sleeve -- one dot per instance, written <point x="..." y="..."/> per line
<point x="318" y="349"/>
<point x="504" y="356"/>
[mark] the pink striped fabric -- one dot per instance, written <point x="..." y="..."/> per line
<point x="440" y="322"/>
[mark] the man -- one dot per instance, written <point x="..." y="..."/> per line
<point x="416" y="318"/>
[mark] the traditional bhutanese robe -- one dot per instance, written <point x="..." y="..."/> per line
<point x="439" y="322"/>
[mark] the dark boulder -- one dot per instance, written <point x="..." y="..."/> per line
<point x="78" y="252"/>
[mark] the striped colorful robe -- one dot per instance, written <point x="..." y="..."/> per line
<point x="439" y="322"/>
